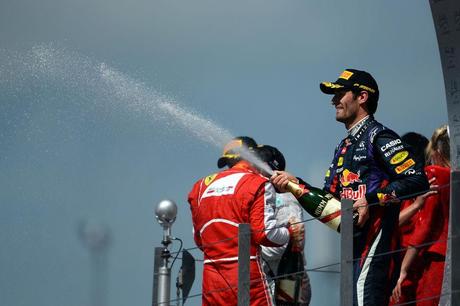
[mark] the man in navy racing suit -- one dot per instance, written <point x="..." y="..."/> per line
<point x="374" y="168"/>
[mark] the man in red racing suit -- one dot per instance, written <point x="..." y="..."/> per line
<point x="219" y="202"/>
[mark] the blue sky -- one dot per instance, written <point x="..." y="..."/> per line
<point x="73" y="149"/>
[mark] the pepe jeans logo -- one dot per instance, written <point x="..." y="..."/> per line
<point x="359" y="157"/>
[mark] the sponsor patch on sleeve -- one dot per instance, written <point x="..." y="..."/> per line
<point x="407" y="164"/>
<point x="399" y="157"/>
<point x="390" y="144"/>
<point x="340" y="162"/>
<point x="208" y="180"/>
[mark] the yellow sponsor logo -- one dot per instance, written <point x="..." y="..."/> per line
<point x="340" y="162"/>
<point x="331" y="85"/>
<point x="208" y="180"/>
<point x="399" y="158"/>
<point x="364" y="87"/>
<point x="407" y="164"/>
<point x="328" y="173"/>
<point x="346" y="75"/>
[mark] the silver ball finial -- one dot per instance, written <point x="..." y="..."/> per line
<point x="166" y="212"/>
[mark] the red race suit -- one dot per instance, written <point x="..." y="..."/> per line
<point x="220" y="202"/>
<point x="430" y="232"/>
<point x="427" y="230"/>
<point x="409" y="285"/>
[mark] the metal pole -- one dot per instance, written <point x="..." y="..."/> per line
<point x="455" y="238"/>
<point x="346" y="253"/>
<point x="165" y="213"/>
<point x="164" y="279"/>
<point x="244" y="238"/>
<point x="156" y="268"/>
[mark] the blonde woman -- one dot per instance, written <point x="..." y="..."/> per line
<point x="427" y="245"/>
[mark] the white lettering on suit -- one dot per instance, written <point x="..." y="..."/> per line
<point x="223" y="186"/>
<point x="390" y="144"/>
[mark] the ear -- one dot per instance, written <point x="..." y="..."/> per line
<point x="362" y="97"/>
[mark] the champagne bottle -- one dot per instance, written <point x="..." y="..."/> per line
<point x="318" y="203"/>
<point x="290" y="279"/>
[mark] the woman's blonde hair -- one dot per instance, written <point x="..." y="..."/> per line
<point x="439" y="143"/>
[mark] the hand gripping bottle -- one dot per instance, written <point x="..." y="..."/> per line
<point x="318" y="203"/>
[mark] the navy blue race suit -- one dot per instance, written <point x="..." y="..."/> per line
<point x="373" y="162"/>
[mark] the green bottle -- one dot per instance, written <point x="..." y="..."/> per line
<point x="318" y="203"/>
<point x="290" y="279"/>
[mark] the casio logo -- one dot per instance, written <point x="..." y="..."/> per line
<point x="390" y="144"/>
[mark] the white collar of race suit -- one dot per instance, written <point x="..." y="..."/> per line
<point x="355" y="128"/>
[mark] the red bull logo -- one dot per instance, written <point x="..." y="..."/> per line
<point x="349" y="177"/>
<point x="349" y="193"/>
<point x="385" y="198"/>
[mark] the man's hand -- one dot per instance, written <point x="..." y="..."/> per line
<point x="280" y="179"/>
<point x="297" y="231"/>
<point x="362" y="208"/>
<point x="420" y="200"/>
